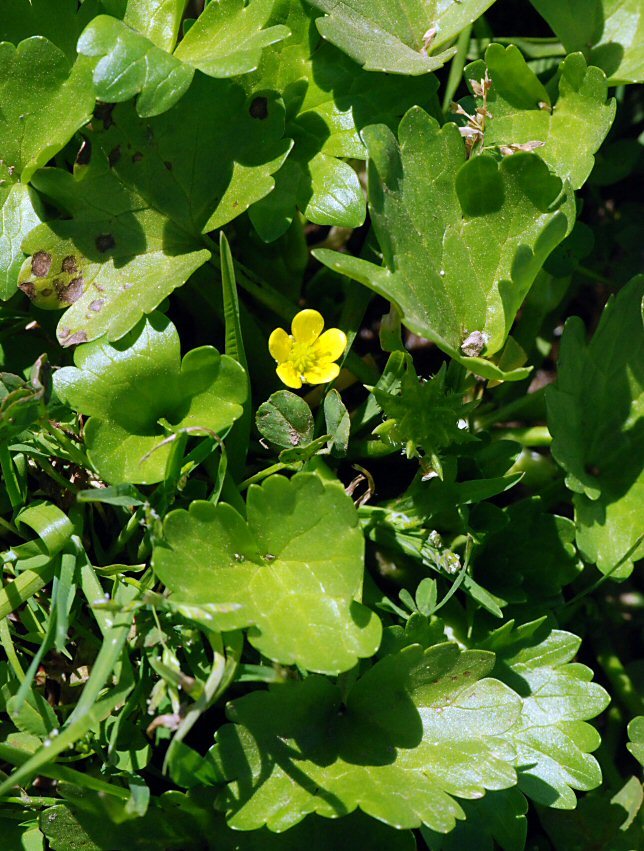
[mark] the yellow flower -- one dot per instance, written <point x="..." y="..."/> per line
<point x="306" y="354"/>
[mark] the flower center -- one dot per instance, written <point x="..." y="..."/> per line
<point x="303" y="357"/>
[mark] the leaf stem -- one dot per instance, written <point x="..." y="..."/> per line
<point x="457" y="66"/>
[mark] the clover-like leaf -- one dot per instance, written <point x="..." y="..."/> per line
<point x="293" y="569"/>
<point x="43" y="101"/>
<point x="610" y="32"/>
<point x="110" y="264"/>
<point x="553" y="742"/>
<point x="419" y="727"/>
<point x="285" y="420"/>
<point x="462" y="239"/>
<point x="595" y="418"/>
<point x="225" y="41"/>
<point x="571" y="130"/>
<point x="169" y="161"/>
<point x="511" y="566"/>
<point x="328" y="101"/>
<point x="126" y="63"/>
<point x="138" y="392"/>
<point x="397" y="36"/>
<point x="228" y="37"/>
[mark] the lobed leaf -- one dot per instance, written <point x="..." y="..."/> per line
<point x="424" y="721"/>
<point x="571" y="130"/>
<point x="462" y="239"/>
<point x="293" y="570"/>
<point x="611" y="32"/>
<point x="43" y="101"/>
<point x="168" y="160"/>
<point x="553" y="742"/>
<point x="397" y="36"/>
<point x="110" y="264"/>
<point x="594" y="415"/>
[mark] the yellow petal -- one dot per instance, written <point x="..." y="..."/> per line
<point x="331" y="345"/>
<point x="307" y="326"/>
<point x="321" y="373"/>
<point x="280" y="345"/>
<point x="288" y="375"/>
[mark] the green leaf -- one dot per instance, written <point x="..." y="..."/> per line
<point x="338" y="422"/>
<point x="398" y="36"/>
<point x="611" y="32"/>
<point x="497" y="820"/>
<point x="425" y="722"/>
<point x="43" y="102"/>
<point x="176" y="823"/>
<point x="58" y="22"/>
<point x="457" y="268"/>
<point x="601" y="821"/>
<point x="328" y="101"/>
<point x="552" y="740"/>
<point x="126" y="64"/>
<point x="138" y="392"/>
<point x="110" y="264"/>
<point x="300" y="551"/>
<point x="285" y="420"/>
<point x="23" y="402"/>
<point x="168" y="160"/>
<point x="594" y="416"/>
<point x="157" y="20"/>
<point x="228" y="38"/>
<point x="20" y="212"/>
<point x="636" y="736"/>
<point x="511" y="566"/>
<point x="571" y="130"/>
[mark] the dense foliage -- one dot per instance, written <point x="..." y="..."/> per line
<point x="271" y="586"/>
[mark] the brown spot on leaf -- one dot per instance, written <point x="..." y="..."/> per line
<point x="103" y="112"/>
<point x="104" y="242"/>
<point x="114" y="156"/>
<point x="259" y="108"/>
<point x="72" y="339"/>
<point x="137" y="157"/>
<point x="168" y="165"/>
<point x="41" y="264"/>
<point x="29" y="289"/>
<point x="593" y="469"/>
<point x="97" y="304"/>
<point x="72" y="292"/>
<point x="69" y="265"/>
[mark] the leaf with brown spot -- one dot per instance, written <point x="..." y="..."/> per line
<point x="112" y="262"/>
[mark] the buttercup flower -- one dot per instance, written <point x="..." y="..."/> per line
<point x="306" y="355"/>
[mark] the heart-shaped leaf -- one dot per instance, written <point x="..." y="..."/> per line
<point x="138" y="392"/>
<point x="294" y="570"/>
